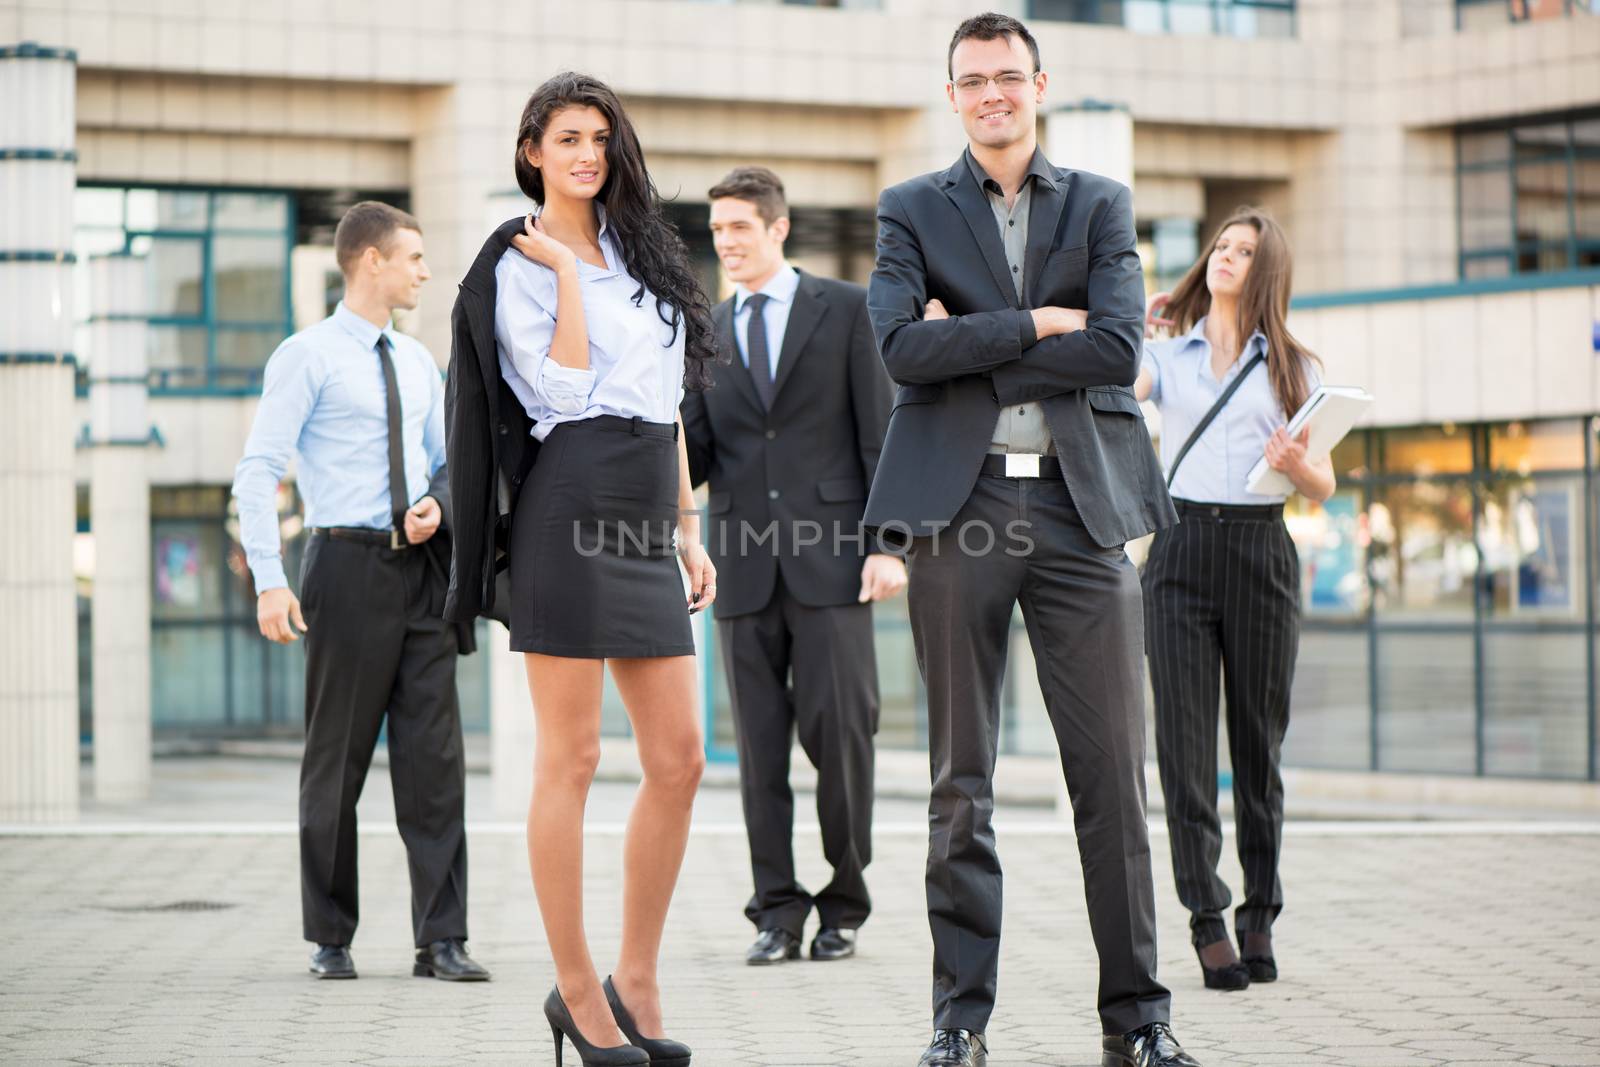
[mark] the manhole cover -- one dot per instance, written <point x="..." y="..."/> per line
<point x="176" y="905"/>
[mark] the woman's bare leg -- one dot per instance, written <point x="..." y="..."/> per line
<point x="660" y="697"/>
<point x="566" y="706"/>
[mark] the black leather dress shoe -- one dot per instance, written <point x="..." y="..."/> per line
<point x="955" y="1048"/>
<point x="1262" y="968"/>
<point x="1152" y="1045"/>
<point x="832" y="943"/>
<point x="333" y="961"/>
<point x="773" y="946"/>
<point x="447" y="959"/>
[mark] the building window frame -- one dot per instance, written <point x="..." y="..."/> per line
<point x="1512" y="251"/>
<point x="215" y="378"/>
<point x="1116" y="13"/>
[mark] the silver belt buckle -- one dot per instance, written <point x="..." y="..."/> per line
<point x="1022" y="465"/>
<point x="396" y="541"/>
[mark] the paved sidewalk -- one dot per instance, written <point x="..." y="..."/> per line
<point x="1403" y="943"/>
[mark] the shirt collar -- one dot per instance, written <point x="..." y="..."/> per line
<point x="361" y="329"/>
<point x="1256" y="342"/>
<point x="608" y="245"/>
<point x="781" y="288"/>
<point x="1038" y="167"/>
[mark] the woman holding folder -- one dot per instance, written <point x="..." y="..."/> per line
<point x="1222" y="589"/>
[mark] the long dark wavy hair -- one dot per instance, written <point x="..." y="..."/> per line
<point x="651" y="249"/>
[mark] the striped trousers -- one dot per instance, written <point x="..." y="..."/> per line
<point x="1222" y="618"/>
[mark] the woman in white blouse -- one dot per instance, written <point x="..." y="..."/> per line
<point x="599" y="324"/>
<point x="1222" y="588"/>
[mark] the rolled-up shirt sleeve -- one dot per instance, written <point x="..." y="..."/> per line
<point x="525" y="328"/>
<point x="287" y="398"/>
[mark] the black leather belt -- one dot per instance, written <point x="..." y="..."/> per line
<point x="395" y="539"/>
<point x="995" y="466"/>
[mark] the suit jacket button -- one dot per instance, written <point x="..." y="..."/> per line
<point x="772" y="494"/>
<point x="772" y="435"/>
<point x="503" y="430"/>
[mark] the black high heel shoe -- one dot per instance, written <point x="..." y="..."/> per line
<point x="663" y="1053"/>
<point x="1229" y="977"/>
<point x="555" y="1010"/>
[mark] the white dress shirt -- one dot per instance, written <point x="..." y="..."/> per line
<point x="1183" y="389"/>
<point x="780" y="290"/>
<point x="635" y="361"/>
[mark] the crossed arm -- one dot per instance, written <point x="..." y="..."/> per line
<point x="1027" y="354"/>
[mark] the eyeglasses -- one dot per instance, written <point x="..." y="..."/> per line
<point x="1006" y="81"/>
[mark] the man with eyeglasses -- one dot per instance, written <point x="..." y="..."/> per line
<point x="1008" y="303"/>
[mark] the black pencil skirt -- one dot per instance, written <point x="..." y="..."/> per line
<point x="594" y="573"/>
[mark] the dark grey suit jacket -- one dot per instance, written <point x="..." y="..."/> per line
<point x="809" y="459"/>
<point x="937" y="239"/>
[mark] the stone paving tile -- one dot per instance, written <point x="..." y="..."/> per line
<point x="1394" y="950"/>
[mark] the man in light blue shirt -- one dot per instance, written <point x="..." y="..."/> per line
<point x="363" y="408"/>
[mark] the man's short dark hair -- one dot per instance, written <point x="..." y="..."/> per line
<point x="991" y="26"/>
<point x="369" y="224"/>
<point x="758" y="185"/>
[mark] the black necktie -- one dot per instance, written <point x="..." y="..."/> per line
<point x="397" y="456"/>
<point x="756" y="349"/>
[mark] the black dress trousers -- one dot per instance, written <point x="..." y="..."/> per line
<point x="376" y="645"/>
<point x="833" y="708"/>
<point x="1222" y="601"/>
<point x="1021" y="539"/>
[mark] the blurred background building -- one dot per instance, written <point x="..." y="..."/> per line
<point x="1435" y="162"/>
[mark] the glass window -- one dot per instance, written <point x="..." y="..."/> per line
<point x="153" y="209"/>
<point x="1586" y="197"/>
<point x="1424" y="561"/>
<point x="1545" y="141"/>
<point x="1532" y="189"/>
<point x="1526" y="447"/>
<point x="202" y="282"/>
<point x="1493" y="146"/>
<point x="1536" y="708"/>
<point x="1426" y="702"/>
<point x="1188" y="16"/>
<point x="175" y="274"/>
<point x="1486" y="267"/>
<point x="1331" y="539"/>
<point x="1427" y="450"/>
<point x="1531" y="538"/>
<point x="1330" y="725"/>
<point x="245" y="349"/>
<point x="250" y="211"/>
<point x="250" y="274"/>
<point x="1485" y="209"/>
<point x="1542" y="201"/>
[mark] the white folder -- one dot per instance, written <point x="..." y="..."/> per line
<point x="1331" y="412"/>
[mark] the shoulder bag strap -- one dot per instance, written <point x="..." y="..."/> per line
<point x="1222" y="402"/>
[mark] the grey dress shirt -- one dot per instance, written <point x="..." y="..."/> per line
<point x="1020" y="427"/>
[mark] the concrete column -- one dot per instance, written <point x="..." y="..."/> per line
<point x="119" y="516"/>
<point x="1091" y="135"/>
<point x="38" y="600"/>
<point x="511" y="726"/>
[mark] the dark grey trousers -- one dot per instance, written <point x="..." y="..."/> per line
<point x="1081" y="606"/>
<point x="833" y="707"/>
<point x="377" y="645"/>
<point x="1222" y="601"/>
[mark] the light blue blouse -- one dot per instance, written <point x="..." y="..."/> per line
<point x="1217" y="467"/>
<point x="635" y="363"/>
<point x="325" y="401"/>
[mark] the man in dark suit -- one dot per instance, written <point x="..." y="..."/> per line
<point x="789" y="440"/>
<point x="1017" y="464"/>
